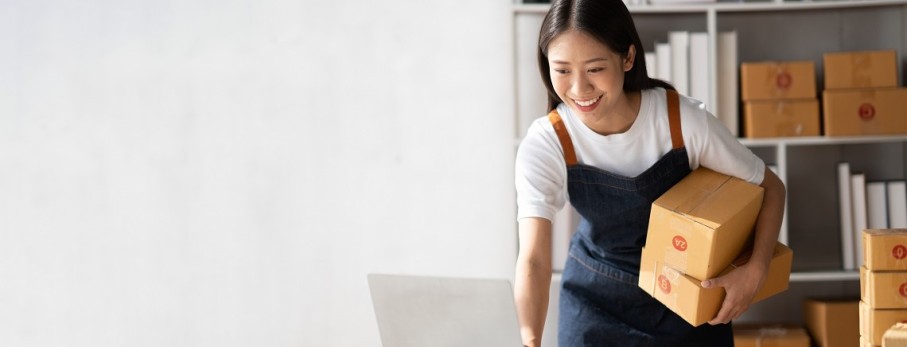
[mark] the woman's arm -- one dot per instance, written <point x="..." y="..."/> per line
<point x="533" y="278"/>
<point x="743" y="283"/>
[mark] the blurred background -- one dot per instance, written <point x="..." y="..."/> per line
<point x="226" y="173"/>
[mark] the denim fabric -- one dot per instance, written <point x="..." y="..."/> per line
<point x="601" y="303"/>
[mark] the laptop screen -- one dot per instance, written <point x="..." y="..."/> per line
<point x="420" y="311"/>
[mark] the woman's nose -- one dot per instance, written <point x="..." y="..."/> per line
<point x="580" y="85"/>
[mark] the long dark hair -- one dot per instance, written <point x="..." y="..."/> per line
<point x="609" y="22"/>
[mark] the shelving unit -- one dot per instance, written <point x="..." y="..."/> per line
<point x="772" y="31"/>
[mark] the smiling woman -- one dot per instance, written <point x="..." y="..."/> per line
<point x="613" y="141"/>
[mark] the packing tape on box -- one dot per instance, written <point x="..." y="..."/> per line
<point x="770" y="332"/>
<point x="860" y="74"/>
<point x="672" y="277"/>
<point x="677" y="255"/>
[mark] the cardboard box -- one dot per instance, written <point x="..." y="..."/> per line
<point x="896" y="336"/>
<point x="875" y="111"/>
<point x="883" y="289"/>
<point x="702" y="224"/>
<point x="777" y="80"/>
<point x="874" y="322"/>
<point x="833" y="322"/>
<point x="885" y="249"/>
<point x="683" y="294"/>
<point x="781" y="118"/>
<point x="864" y="69"/>
<point x="770" y="335"/>
<point x="864" y="342"/>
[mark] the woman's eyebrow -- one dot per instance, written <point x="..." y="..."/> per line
<point x="586" y="62"/>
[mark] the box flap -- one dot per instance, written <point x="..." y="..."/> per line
<point x="709" y="198"/>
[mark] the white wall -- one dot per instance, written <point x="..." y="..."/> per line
<point x="225" y="173"/>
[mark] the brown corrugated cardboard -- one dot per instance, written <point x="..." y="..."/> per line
<point x="885" y="249"/>
<point x="833" y="322"/>
<point x="884" y="289"/>
<point x="684" y="295"/>
<point x="777" y="80"/>
<point x="864" y="342"/>
<point x="704" y="222"/>
<point x="874" y="322"/>
<point x="863" y="69"/>
<point x="875" y="111"/>
<point x="781" y="118"/>
<point x="896" y="336"/>
<point x="770" y="335"/>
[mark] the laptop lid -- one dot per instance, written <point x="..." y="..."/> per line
<point x="420" y="311"/>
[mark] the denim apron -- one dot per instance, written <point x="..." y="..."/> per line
<point x="601" y="303"/>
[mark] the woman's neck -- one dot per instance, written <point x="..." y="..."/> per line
<point x="620" y="118"/>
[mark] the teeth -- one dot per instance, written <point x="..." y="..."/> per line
<point x="587" y="103"/>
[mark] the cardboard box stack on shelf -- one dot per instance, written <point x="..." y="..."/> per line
<point x="700" y="229"/>
<point x="769" y="335"/>
<point x="861" y="95"/>
<point x="833" y="322"/>
<point x="779" y="99"/>
<point x="883" y="282"/>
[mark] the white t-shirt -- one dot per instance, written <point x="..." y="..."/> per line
<point x="541" y="172"/>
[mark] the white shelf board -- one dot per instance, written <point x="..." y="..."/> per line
<point x="821" y="140"/>
<point x="734" y="7"/>
<point x="824" y="276"/>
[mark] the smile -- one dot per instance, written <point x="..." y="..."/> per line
<point x="587" y="105"/>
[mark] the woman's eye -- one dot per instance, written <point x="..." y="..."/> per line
<point x="597" y="69"/>
<point x="562" y="72"/>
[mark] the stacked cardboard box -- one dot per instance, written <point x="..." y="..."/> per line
<point x="861" y="95"/>
<point x="883" y="282"/>
<point x="770" y="335"/>
<point x="779" y="99"/>
<point x="700" y="229"/>
<point x="833" y="322"/>
<point x="896" y="336"/>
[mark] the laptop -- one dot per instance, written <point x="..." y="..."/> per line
<point x="421" y="311"/>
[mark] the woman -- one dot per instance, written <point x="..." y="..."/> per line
<point x="614" y="141"/>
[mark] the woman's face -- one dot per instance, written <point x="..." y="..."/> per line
<point x="586" y="75"/>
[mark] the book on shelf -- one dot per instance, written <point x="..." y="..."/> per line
<point x="699" y="69"/>
<point x="671" y="2"/>
<point x="845" y="215"/>
<point x="680" y="60"/>
<point x="858" y="202"/>
<point x="876" y="206"/>
<point x="727" y="108"/>
<point x="663" y="61"/>
<point x="651" y="65"/>
<point x="897" y="204"/>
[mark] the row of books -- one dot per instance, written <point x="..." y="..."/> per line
<point x="867" y="205"/>
<point x="684" y="62"/>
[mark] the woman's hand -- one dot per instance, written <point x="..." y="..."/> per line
<point x="740" y="285"/>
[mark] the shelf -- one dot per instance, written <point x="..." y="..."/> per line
<point x="733" y="7"/>
<point x="821" y="140"/>
<point x="825" y="276"/>
<point x="817" y="276"/>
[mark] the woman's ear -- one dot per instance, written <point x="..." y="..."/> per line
<point x="630" y="58"/>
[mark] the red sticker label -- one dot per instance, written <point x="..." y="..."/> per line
<point x="867" y="111"/>
<point x="665" y="285"/>
<point x="679" y="243"/>
<point x="903" y="289"/>
<point x="899" y="252"/>
<point x="783" y="80"/>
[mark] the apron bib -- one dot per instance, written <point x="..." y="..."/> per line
<point x="601" y="303"/>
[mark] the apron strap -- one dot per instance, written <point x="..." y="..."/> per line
<point x="674" y="118"/>
<point x="567" y="144"/>
<point x="563" y="137"/>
